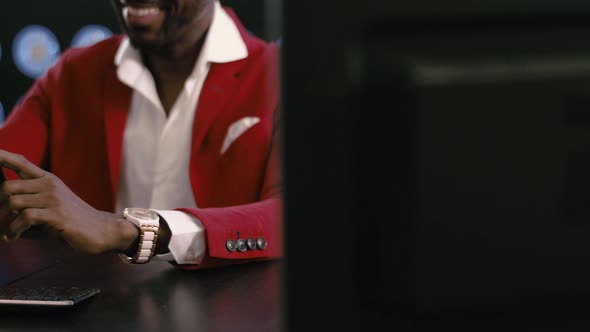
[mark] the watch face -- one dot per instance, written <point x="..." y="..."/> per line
<point x="142" y="213"/>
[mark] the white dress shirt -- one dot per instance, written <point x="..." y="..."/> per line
<point x="156" y="148"/>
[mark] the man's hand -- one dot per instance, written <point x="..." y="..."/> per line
<point x="41" y="198"/>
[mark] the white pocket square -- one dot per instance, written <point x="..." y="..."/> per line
<point x="236" y="129"/>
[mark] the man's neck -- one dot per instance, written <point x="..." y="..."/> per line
<point x="172" y="65"/>
<point x="170" y="73"/>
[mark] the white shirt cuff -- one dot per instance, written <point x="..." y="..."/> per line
<point x="187" y="241"/>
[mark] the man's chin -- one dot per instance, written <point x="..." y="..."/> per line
<point x="146" y="44"/>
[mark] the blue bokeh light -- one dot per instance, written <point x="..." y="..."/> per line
<point x="90" y="34"/>
<point x="35" y="49"/>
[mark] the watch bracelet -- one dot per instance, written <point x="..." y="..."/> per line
<point x="145" y="228"/>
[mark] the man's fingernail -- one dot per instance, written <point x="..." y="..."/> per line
<point x="4" y="238"/>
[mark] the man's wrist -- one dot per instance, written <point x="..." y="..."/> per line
<point x="128" y="239"/>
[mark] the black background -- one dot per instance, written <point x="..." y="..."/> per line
<point x="350" y="209"/>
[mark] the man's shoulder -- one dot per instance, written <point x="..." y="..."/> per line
<point x="261" y="54"/>
<point x="94" y="56"/>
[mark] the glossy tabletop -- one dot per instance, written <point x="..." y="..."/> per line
<point x="150" y="297"/>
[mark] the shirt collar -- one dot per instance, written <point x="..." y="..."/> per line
<point x="222" y="44"/>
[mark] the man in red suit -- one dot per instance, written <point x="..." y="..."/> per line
<point x="160" y="144"/>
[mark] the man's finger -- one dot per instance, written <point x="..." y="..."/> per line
<point x="20" y="187"/>
<point x="13" y="206"/>
<point x="24" y="221"/>
<point x="3" y="238"/>
<point x="6" y="217"/>
<point x="16" y="203"/>
<point x="20" y="165"/>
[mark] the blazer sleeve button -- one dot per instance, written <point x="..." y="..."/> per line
<point x="242" y="245"/>
<point x="231" y="245"/>
<point x="251" y="243"/>
<point x="261" y="243"/>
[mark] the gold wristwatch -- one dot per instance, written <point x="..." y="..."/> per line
<point x="148" y="222"/>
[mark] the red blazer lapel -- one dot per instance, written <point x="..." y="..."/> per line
<point x="117" y="100"/>
<point x="221" y="83"/>
<point x="219" y="87"/>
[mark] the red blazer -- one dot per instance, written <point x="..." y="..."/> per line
<point x="71" y="123"/>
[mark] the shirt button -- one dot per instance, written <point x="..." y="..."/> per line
<point x="231" y="245"/>
<point x="261" y="243"/>
<point x="251" y="243"/>
<point x="242" y="245"/>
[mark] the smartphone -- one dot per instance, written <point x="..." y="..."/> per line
<point x="45" y="296"/>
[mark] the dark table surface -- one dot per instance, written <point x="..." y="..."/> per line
<point x="150" y="297"/>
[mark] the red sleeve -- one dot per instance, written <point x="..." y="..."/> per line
<point x="260" y="219"/>
<point x="27" y="127"/>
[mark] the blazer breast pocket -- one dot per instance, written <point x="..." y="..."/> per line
<point x="236" y="130"/>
